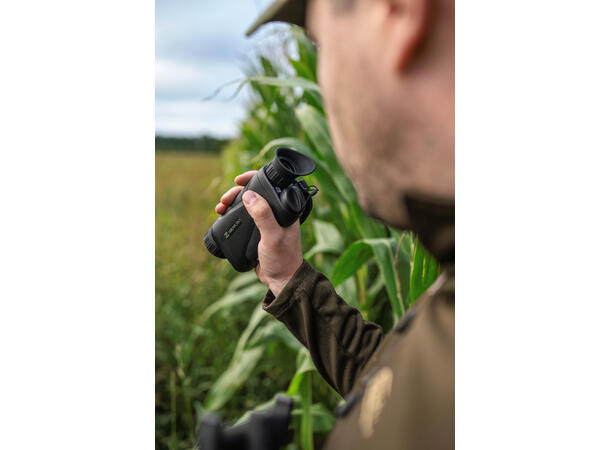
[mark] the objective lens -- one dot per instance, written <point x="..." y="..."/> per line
<point x="292" y="199"/>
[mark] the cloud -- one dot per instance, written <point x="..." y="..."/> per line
<point x="194" y="118"/>
<point x="200" y="45"/>
<point x="176" y="81"/>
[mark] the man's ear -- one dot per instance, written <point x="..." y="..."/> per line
<point x="406" y="25"/>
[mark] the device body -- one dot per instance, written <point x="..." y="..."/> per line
<point x="235" y="236"/>
<point x="264" y="430"/>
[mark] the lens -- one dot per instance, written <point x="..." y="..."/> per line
<point x="287" y="165"/>
<point x="211" y="245"/>
<point x="291" y="197"/>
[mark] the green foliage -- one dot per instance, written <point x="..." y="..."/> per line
<point x="425" y="271"/>
<point x="379" y="270"/>
<point x="194" y="341"/>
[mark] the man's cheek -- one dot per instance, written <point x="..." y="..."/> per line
<point x="322" y="69"/>
<point x="327" y="84"/>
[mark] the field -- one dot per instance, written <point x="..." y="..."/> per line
<point x="216" y="350"/>
<point x="188" y="280"/>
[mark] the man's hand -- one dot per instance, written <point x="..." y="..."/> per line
<point x="279" y="250"/>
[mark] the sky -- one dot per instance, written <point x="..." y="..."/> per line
<point x="200" y="45"/>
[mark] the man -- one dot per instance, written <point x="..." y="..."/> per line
<point x="386" y="70"/>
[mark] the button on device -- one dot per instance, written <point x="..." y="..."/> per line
<point x="351" y="399"/>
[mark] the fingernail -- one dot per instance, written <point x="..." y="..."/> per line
<point x="249" y="197"/>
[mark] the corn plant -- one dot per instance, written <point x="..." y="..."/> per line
<point x="377" y="269"/>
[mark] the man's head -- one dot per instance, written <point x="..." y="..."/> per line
<point x="386" y="70"/>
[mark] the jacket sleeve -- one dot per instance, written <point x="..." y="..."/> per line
<point x="339" y="340"/>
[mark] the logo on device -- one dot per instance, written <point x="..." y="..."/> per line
<point x="232" y="229"/>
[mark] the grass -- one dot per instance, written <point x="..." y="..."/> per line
<point x="188" y="279"/>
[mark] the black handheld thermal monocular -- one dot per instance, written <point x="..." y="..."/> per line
<point x="235" y="236"/>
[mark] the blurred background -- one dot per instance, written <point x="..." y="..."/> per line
<point x="223" y="104"/>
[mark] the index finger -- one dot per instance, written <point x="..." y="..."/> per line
<point x="243" y="179"/>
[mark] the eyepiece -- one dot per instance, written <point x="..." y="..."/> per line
<point x="287" y="165"/>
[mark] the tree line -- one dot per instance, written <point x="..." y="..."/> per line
<point x="206" y="144"/>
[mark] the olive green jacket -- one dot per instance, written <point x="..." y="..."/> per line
<point x="398" y="388"/>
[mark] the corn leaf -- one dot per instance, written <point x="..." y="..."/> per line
<point x="261" y="407"/>
<point x="425" y="270"/>
<point x="234" y="377"/>
<point x="304" y="364"/>
<point x="241" y="366"/>
<point x="257" y="316"/>
<point x="351" y="260"/>
<point x="314" y="124"/>
<point x="306" y="419"/>
<point x="253" y="292"/>
<point x="328" y="239"/>
<point x="241" y="281"/>
<point x="292" y="82"/>
<point x="274" y="331"/>
<point x="395" y="269"/>
<point x="364" y="226"/>
<point x="322" y="418"/>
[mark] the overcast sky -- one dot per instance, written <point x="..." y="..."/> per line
<point x="200" y="45"/>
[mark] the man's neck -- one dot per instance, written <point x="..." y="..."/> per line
<point x="434" y="224"/>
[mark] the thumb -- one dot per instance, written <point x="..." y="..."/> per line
<point x="261" y="212"/>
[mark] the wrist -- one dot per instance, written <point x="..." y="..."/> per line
<point x="277" y="285"/>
